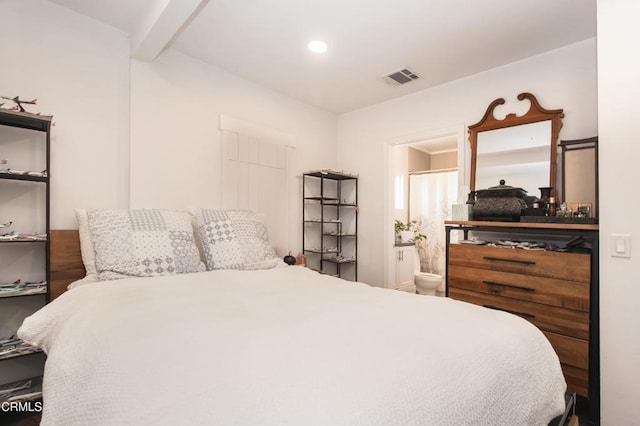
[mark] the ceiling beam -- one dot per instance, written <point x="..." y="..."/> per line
<point x="163" y="23"/>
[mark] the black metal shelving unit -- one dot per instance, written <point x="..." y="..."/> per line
<point x="336" y="196"/>
<point x="8" y="243"/>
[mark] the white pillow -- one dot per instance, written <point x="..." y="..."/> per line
<point x="143" y="243"/>
<point x="86" y="245"/>
<point x="234" y="239"/>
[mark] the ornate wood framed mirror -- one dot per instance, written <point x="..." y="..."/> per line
<point x="519" y="149"/>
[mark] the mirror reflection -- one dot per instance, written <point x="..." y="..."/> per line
<point x="518" y="154"/>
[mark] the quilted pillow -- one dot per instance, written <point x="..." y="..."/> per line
<point x="143" y="243"/>
<point x="234" y="239"/>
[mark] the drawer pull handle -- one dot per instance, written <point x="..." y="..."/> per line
<point x="517" y="287"/>
<point x="521" y="314"/>
<point x="524" y="262"/>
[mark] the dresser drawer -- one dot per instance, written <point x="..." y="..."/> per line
<point x="564" y="266"/>
<point x="574" y="360"/>
<point x="577" y="379"/>
<point x="549" y="291"/>
<point x="566" y="322"/>
<point x="571" y="351"/>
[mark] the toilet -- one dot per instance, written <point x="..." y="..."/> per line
<point x="426" y="283"/>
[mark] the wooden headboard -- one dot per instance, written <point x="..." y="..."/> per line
<point x="65" y="261"/>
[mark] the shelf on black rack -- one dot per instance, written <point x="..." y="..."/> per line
<point x="24" y="351"/>
<point x="339" y="260"/>
<point x="22" y="240"/>
<point x="22" y="390"/>
<point x="23" y="177"/>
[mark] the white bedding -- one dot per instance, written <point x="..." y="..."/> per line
<point x="286" y="346"/>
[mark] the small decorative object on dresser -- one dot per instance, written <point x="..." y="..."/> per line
<point x="501" y="202"/>
<point x="545" y="194"/>
<point x="461" y="211"/>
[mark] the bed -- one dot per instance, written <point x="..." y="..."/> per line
<point x="282" y="345"/>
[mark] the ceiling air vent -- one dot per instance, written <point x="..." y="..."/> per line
<point x="401" y="77"/>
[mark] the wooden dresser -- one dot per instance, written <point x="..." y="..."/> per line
<point x="555" y="291"/>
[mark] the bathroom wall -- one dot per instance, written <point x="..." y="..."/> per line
<point x="418" y="160"/>
<point x="445" y="160"/>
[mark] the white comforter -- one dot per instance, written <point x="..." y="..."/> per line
<point x="286" y="346"/>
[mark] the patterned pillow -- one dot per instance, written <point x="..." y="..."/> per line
<point x="143" y="243"/>
<point x="235" y="239"/>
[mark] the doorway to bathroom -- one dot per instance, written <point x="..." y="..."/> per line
<point x="431" y="194"/>
<point x="426" y="184"/>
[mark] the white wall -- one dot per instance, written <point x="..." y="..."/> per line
<point x="564" y="78"/>
<point x="176" y="102"/>
<point x="446" y="160"/>
<point x="79" y="71"/>
<point x="619" y="110"/>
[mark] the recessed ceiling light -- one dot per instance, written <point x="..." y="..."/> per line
<point x="318" y="46"/>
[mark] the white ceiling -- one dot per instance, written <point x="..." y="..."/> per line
<point x="264" y="41"/>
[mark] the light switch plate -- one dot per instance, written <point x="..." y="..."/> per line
<point x="620" y="245"/>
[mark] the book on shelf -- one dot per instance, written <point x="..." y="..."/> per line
<point x="19" y="288"/>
